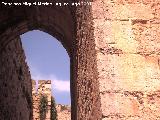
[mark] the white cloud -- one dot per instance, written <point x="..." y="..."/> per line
<point x="57" y="84"/>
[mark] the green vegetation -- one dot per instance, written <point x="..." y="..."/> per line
<point x="53" y="109"/>
<point x="43" y="107"/>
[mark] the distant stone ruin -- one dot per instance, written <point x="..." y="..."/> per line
<point x="44" y="88"/>
<point x="63" y="112"/>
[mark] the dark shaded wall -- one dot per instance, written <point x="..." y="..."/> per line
<point x="87" y="86"/>
<point x="15" y="83"/>
<point x="73" y="27"/>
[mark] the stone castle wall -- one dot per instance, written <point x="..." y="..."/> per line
<point x="127" y="38"/>
<point x="44" y="88"/>
<point x="114" y="51"/>
<point x="15" y="83"/>
<point x="85" y="81"/>
<point x="63" y="112"/>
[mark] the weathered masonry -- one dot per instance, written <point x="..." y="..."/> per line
<point x="44" y="89"/>
<point x="114" y="50"/>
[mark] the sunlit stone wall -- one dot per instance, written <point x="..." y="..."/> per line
<point x="44" y="88"/>
<point x="63" y="112"/>
<point x="127" y="43"/>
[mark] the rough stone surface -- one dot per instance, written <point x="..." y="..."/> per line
<point x="84" y="63"/>
<point x="44" y="88"/>
<point x="127" y="44"/>
<point x="114" y="52"/>
<point x="15" y="84"/>
<point x="63" y="112"/>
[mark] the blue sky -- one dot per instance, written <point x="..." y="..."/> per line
<point x="48" y="60"/>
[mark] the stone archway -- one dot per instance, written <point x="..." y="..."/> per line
<point x="75" y="34"/>
<point x="114" y="53"/>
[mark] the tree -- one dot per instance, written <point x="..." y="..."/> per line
<point x="43" y="107"/>
<point x="53" y="109"/>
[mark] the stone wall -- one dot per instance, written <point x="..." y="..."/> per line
<point x="75" y="32"/>
<point x="63" y="112"/>
<point x="84" y="63"/>
<point x="44" y="88"/>
<point x="114" y="51"/>
<point x="15" y="83"/>
<point x="127" y="43"/>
